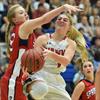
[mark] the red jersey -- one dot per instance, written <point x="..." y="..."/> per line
<point x="90" y="92"/>
<point x="11" y="80"/>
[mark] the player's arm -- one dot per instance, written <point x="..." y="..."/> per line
<point x="78" y="91"/>
<point x="41" y="41"/>
<point x="70" y="51"/>
<point x="97" y="84"/>
<point x="63" y="60"/>
<point x="28" y="26"/>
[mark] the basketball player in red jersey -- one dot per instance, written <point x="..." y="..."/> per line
<point x="97" y="83"/>
<point x="20" y="31"/>
<point x="85" y="89"/>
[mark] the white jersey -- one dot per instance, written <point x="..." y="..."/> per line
<point x="59" y="47"/>
<point x="51" y="72"/>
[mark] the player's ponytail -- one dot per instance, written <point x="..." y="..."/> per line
<point x="75" y="35"/>
<point x="7" y="37"/>
<point x="10" y="16"/>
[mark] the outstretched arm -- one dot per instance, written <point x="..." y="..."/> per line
<point x="28" y="26"/>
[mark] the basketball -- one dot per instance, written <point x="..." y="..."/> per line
<point x="33" y="60"/>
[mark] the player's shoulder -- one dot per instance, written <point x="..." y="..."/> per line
<point x="81" y="85"/>
<point x="43" y="37"/>
<point x="71" y="42"/>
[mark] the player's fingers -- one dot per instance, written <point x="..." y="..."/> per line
<point x="69" y="11"/>
<point x="26" y="69"/>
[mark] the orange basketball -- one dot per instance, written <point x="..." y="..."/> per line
<point x="33" y="60"/>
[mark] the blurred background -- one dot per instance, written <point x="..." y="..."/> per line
<point x="87" y="22"/>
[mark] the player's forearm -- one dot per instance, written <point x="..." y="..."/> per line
<point x="60" y="59"/>
<point x="53" y="13"/>
<point x="66" y="59"/>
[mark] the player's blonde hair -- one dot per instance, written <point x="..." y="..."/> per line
<point x="75" y="35"/>
<point x="10" y="16"/>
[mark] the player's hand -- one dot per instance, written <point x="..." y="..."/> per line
<point x="25" y="74"/>
<point x="47" y="53"/>
<point x="69" y="8"/>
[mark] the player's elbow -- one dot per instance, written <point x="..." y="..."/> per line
<point x="65" y="62"/>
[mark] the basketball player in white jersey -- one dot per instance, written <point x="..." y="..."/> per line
<point x="47" y="84"/>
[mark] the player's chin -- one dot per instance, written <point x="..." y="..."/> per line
<point x="89" y="72"/>
<point x="61" y="25"/>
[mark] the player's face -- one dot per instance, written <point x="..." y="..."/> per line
<point x="63" y="21"/>
<point x="88" y="68"/>
<point x="20" y="15"/>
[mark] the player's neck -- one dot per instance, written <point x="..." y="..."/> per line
<point x="58" y="37"/>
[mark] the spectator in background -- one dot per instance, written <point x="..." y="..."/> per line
<point x="96" y="35"/>
<point x="3" y="11"/>
<point x="55" y="3"/>
<point x="95" y="52"/>
<point x="85" y="25"/>
<point x="13" y="2"/>
<point x="71" y="2"/>
<point x="93" y="2"/>
<point x="95" y="48"/>
<point x="85" y="89"/>
<point x="27" y="4"/>
<point x="97" y="5"/>
<point x="87" y="6"/>
<point x="96" y="24"/>
<point x="94" y="14"/>
<point x="96" y="60"/>
<point x="39" y="11"/>
<point x="3" y="59"/>
<point x="77" y="2"/>
<point x="36" y="3"/>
